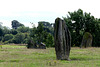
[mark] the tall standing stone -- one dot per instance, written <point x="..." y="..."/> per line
<point x="62" y="39"/>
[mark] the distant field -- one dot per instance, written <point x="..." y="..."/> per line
<point x="20" y="56"/>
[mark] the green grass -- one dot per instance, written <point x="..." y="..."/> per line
<point x="20" y="56"/>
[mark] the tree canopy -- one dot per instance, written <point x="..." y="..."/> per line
<point x="79" y="23"/>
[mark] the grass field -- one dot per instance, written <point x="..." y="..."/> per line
<point x="20" y="56"/>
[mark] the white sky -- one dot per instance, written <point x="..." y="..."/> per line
<point x="26" y="11"/>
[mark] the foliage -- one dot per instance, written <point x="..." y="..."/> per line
<point x="1" y="32"/>
<point x="19" y="35"/>
<point x="49" y="41"/>
<point x="26" y="39"/>
<point x="39" y="35"/>
<point x="13" y="31"/>
<point x="16" y="24"/>
<point x="23" y="29"/>
<point x="1" y="24"/>
<point x="6" y="30"/>
<point x="79" y="23"/>
<point x="49" y="27"/>
<point x="19" y="38"/>
<point x="7" y="37"/>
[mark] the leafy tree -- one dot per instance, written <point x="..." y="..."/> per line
<point x="39" y="35"/>
<point x="40" y="32"/>
<point x="75" y="24"/>
<point x="49" y="27"/>
<point x="6" y="30"/>
<point x="1" y="24"/>
<point x="7" y="37"/>
<point x="96" y="33"/>
<point x="23" y="29"/>
<point x="79" y="23"/>
<point x="16" y="24"/>
<point x="19" y="38"/>
<point x="49" y="41"/>
<point x="1" y="34"/>
<point x="13" y="31"/>
<point x="26" y="39"/>
<point x="45" y="24"/>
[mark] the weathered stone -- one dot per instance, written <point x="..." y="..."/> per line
<point x="87" y="40"/>
<point x="32" y="44"/>
<point x="62" y="39"/>
<point x="42" y="46"/>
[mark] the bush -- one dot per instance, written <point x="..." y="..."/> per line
<point x="49" y="41"/>
<point x="19" y="38"/>
<point x="7" y="37"/>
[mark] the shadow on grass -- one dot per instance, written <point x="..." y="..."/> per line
<point x="3" y="50"/>
<point x="14" y="60"/>
<point x="80" y="59"/>
<point x="75" y="59"/>
<point x="2" y="61"/>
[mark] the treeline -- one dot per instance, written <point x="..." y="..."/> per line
<point x="19" y="34"/>
<point x="78" y="23"/>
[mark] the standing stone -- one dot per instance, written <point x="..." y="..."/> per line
<point x="87" y="40"/>
<point x="42" y="46"/>
<point x="62" y="40"/>
<point x="32" y="44"/>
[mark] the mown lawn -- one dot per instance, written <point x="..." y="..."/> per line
<point x="20" y="56"/>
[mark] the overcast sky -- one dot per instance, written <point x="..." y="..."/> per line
<point x="26" y="11"/>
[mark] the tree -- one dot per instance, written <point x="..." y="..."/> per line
<point x="45" y="24"/>
<point x="39" y="35"/>
<point x="40" y="31"/>
<point x="7" y="37"/>
<point x="19" y="38"/>
<point x="49" y="27"/>
<point x="1" y="34"/>
<point x="6" y="30"/>
<point x="13" y="31"/>
<point x="1" y="24"/>
<point x="26" y="39"/>
<point x="49" y="40"/>
<point x="75" y="24"/>
<point x="96" y="33"/>
<point x="16" y="24"/>
<point x="23" y="29"/>
<point x="79" y="23"/>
